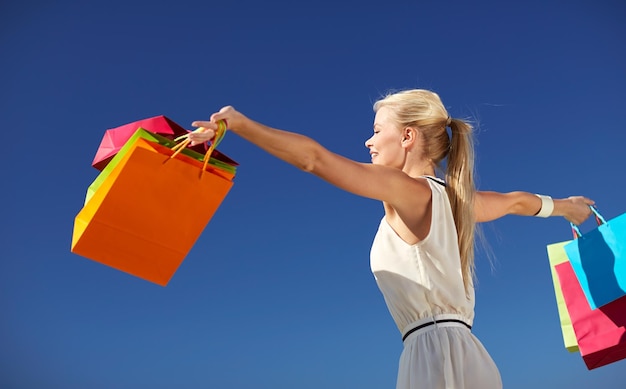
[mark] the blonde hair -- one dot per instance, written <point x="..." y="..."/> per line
<point x="424" y="110"/>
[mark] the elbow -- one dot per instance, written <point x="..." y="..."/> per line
<point x="309" y="160"/>
<point x="523" y="204"/>
<point x="307" y="164"/>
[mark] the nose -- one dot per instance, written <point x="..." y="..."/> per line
<point x="368" y="142"/>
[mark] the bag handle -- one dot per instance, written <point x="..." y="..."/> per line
<point x="219" y="135"/>
<point x="599" y="220"/>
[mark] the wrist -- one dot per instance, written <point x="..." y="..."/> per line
<point x="240" y="125"/>
<point x="547" y="206"/>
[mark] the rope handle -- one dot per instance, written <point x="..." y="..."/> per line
<point x="599" y="220"/>
<point x="219" y="135"/>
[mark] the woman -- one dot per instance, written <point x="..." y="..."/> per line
<point x="423" y="253"/>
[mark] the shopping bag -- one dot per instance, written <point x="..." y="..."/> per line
<point x="556" y="256"/>
<point x="599" y="260"/>
<point x="227" y="170"/>
<point x="115" y="138"/>
<point x="138" y="220"/>
<point x="601" y="332"/>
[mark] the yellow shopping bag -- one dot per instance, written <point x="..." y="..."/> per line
<point x="557" y="255"/>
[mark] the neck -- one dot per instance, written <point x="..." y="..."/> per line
<point x="418" y="170"/>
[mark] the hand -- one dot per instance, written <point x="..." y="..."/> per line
<point x="577" y="209"/>
<point x="203" y="134"/>
<point x="207" y="129"/>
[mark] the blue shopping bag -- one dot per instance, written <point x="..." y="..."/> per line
<point x="598" y="258"/>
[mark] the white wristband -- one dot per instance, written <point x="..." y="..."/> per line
<point x="547" y="206"/>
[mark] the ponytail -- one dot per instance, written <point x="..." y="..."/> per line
<point x="461" y="190"/>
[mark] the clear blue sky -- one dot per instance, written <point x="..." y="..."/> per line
<point x="277" y="292"/>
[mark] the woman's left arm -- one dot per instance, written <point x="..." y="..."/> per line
<point x="490" y="206"/>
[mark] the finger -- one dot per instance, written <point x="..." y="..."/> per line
<point x="222" y="115"/>
<point x="205" y="124"/>
<point x="203" y="131"/>
<point x="199" y="140"/>
<point x="216" y="117"/>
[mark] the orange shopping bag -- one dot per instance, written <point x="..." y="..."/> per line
<point x="137" y="220"/>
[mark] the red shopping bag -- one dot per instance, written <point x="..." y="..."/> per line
<point x="115" y="138"/>
<point x="601" y="332"/>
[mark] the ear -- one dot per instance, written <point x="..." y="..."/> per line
<point x="409" y="136"/>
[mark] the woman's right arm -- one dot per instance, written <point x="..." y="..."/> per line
<point x="367" y="180"/>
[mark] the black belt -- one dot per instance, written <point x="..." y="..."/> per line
<point x="430" y="323"/>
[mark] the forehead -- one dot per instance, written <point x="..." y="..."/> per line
<point x="383" y="116"/>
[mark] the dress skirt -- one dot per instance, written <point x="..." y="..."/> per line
<point x="446" y="356"/>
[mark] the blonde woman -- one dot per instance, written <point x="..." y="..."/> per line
<point x="423" y="253"/>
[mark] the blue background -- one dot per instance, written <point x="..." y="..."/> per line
<point x="277" y="292"/>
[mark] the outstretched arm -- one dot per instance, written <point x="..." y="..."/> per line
<point x="490" y="206"/>
<point x="373" y="181"/>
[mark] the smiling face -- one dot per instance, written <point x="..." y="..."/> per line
<point x="386" y="143"/>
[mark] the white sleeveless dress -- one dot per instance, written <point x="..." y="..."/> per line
<point x="423" y="287"/>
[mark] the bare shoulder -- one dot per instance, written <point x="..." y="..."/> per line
<point x="411" y="216"/>
<point x="413" y="193"/>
